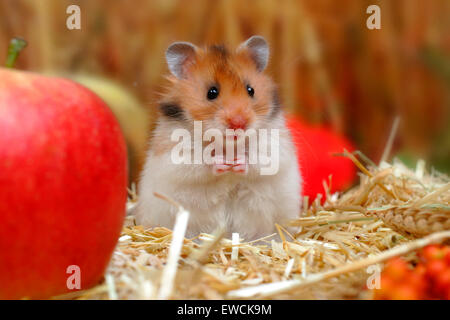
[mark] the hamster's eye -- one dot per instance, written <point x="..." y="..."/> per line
<point x="250" y="91"/>
<point x="213" y="93"/>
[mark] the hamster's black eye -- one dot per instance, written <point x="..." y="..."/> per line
<point x="250" y="91"/>
<point x="213" y="92"/>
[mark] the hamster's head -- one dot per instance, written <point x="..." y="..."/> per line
<point x="225" y="89"/>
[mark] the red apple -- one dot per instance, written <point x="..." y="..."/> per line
<point x="63" y="178"/>
<point x="316" y="147"/>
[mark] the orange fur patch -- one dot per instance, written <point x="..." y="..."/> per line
<point x="230" y="72"/>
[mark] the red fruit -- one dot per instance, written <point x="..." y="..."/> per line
<point x="316" y="147"/>
<point x="385" y="290"/>
<point x="442" y="284"/>
<point x="63" y="176"/>
<point x="447" y="256"/>
<point x="435" y="268"/>
<point x="420" y="270"/>
<point x="396" y="269"/>
<point x="417" y="281"/>
<point x="405" y="292"/>
<point x="432" y="252"/>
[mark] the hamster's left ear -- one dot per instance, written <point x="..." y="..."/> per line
<point x="258" y="49"/>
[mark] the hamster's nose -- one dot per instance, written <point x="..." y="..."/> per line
<point x="237" y="122"/>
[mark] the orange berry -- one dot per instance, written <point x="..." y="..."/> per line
<point x="447" y="256"/>
<point x="435" y="268"/>
<point x="396" y="269"/>
<point x="442" y="285"/>
<point x="417" y="281"/>
<point x="405" y="292"/>
<point x="380" y="296"/>
<point x="420" y="269"/>
<point x="385" y="290"/>
<point x="431" y="252"/>
<point x="387" y="282"/>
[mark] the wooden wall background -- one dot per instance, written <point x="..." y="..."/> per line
<point x="330" y="68"/>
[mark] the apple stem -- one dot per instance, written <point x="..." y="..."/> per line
<point x="15" y="46"/>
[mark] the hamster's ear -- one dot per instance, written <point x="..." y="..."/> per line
<point x="179" y="56"/>
<point x="258" y="49"/>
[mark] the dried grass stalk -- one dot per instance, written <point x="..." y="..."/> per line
<point x="412" y="217"/>
<point x="326" y="258"/>
<point x="414" y="222"/>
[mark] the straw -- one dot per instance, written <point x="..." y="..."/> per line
<point x="325" y="257"/>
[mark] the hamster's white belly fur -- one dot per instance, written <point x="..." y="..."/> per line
<point x="249" y="205"/>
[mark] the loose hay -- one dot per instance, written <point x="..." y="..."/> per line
<point x="338" y="247"/>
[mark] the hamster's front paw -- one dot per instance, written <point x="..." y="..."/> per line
<point x="240" y="165"/>
<point x="221" y="165"/>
